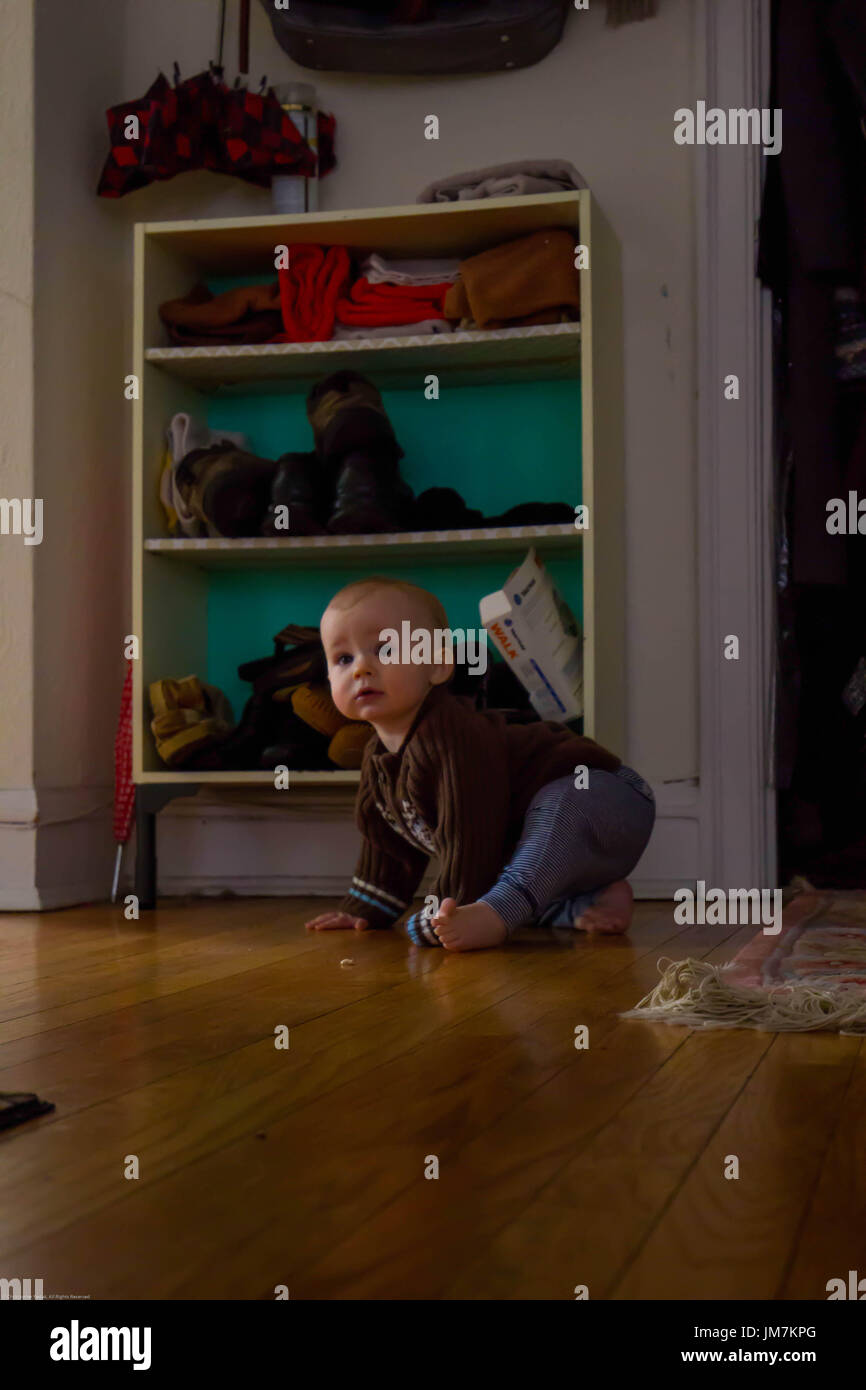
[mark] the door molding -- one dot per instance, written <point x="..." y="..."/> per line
<point x="735" y="497"/>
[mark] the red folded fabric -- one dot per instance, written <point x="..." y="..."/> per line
<point x="309" y="291"/>
<point x="380" y="305"/>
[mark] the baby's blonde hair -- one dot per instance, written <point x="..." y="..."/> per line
<point x="353" y="593"/>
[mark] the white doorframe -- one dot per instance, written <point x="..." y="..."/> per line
<point x="735" y="493"/>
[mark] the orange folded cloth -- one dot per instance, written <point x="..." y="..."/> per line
<point x="384" y="305"/>
<point x="533" y="275"/>
<point x="201" y="309"/>
<point x="457" y="307"/>
<point x="309" y="290"/>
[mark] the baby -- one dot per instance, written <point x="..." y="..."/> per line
<point x="532" y="824"/>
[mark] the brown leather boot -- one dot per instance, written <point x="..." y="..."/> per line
<point x="371" y="497"/>
<point x="227" y="489"/>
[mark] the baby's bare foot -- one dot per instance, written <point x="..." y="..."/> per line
<point x="472" y="928"/>
<point x="611" y="912"/>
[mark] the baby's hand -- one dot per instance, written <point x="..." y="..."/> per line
<point x="329" y="921"/>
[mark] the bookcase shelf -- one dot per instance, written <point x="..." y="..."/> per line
<point x="540" y="352"/>
<point x="266" y="552"/>
<point x="523" y="414"/>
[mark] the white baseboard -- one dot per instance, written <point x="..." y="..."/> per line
<point x="273" y="847"/>
<point x="57" y="850"/>
<point x="56" y="847"/>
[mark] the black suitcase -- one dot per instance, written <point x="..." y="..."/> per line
<point x="452" y="36"/>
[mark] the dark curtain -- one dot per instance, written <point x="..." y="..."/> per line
<point x="812" y="244"/>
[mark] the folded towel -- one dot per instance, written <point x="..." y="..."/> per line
<point x="394" y="330"/>
<point x="529" y="276"/>
<point x="309" y="291"/>
<point x="378" y="269"/>
<point x="250" y="314"/>
<point x="201" y="309"/>
<point x="382" y="305"/>
<point x="521" y="176"/>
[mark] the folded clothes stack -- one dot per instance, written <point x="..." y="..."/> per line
<point x="310" y="290"/>
<point x="394" y="330"/>
<point x="384" y="305"/>
<point x="398" y="271"/>
<point x="519" y="178"/>
<point x="527" y="281"/>
<point x="365" y="314"/>
<point x="316" y="298"/>
<point x="248" y="315"/>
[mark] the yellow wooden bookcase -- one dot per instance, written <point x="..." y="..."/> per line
<point x="171" y="577"/>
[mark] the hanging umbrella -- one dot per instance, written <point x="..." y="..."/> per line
<point x="200" y="123"/>
<point x="124" y="788"/>
<point x="132" y="127"/>
<point x="259" y="139"/>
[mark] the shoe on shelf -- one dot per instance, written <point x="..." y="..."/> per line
<point x="371" y="498"/>
<point x="298" y="657"/>
<point x="347" y="416"/>
<point x="443" y="509"/>
<point x="188" y="717"/>
<point x="303" y="485"/>
<point x="226" y="489"/>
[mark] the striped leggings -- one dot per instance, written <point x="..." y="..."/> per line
<point x="574" y="843"/>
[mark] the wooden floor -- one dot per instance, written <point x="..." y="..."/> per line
<point x="262" y="1167"/>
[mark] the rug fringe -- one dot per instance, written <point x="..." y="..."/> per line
<point x="694" y="994"/>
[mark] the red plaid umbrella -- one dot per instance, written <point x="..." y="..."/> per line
<point x="201" y="124"/>
<point x="259" y="139"/>
<point x="133" y="127"/>
<point x="124" y="788"/>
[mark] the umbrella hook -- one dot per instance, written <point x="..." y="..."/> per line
<point x="222" y="34"/>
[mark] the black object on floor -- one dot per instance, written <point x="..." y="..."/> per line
<point x="18" y="1106"/>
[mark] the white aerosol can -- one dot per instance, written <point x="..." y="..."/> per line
<point x="294" y="193"/>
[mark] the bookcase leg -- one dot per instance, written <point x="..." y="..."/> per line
<point x="149" y="800"/>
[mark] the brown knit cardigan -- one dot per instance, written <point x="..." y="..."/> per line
<point x="458" y="787"/>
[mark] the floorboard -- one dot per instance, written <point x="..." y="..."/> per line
<point x="558" y="1167"/>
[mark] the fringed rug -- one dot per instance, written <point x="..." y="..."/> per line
<point x="811" y="976"/>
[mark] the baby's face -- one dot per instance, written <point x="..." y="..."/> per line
<point x="363" y="686"/>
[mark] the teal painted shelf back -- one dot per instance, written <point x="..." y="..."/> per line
<point x="497" y="445"/>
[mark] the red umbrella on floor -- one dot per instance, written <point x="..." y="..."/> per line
<point x="124" y="787"/>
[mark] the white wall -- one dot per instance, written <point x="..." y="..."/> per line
<point x="16" y="405"/>
<point x="17" y="809"/>
<point x="603" y="99"/>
